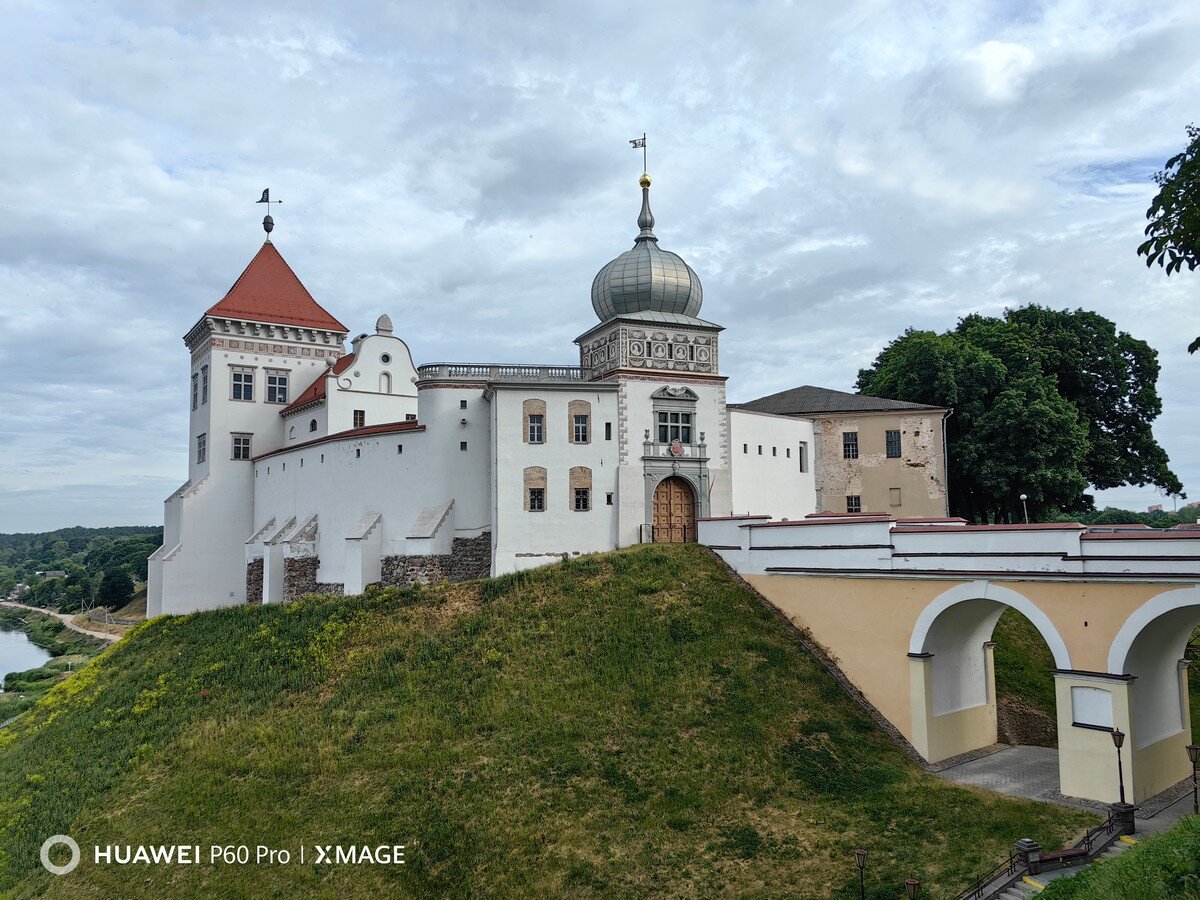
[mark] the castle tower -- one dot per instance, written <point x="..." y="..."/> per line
<point x="251" y="353"/>
<point x="673" y="422"/>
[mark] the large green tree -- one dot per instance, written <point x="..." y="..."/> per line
<point x="1173" y="235"/>
<point x="1045" y="403"/>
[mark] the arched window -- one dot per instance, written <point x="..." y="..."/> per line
<point x="312" y="426"/>
<point x="292" y="433"/>
<point x="535" y="489"/>
<point x="385" y="383"/>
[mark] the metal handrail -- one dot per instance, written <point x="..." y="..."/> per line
<point x="975" y="891"/>
<point x="1107" y="827"/>
<point x="500" y="372"/>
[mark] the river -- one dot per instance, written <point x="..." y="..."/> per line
<point x="18" y="653"/>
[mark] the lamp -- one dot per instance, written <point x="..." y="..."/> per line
<point x="1193" y="753"/>
<point x="1025" y="508"/>
<point x="912" y="887"/>
<point x="860" y="860"/>
<point x="1118" y="739"/>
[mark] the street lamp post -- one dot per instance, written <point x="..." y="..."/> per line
<point x="912" y="887"/>
<point x="1193" y="753"/>
<point x="1118" y="739"/>
<point x="1025" y="508"/>
<point x="860" y="860"/>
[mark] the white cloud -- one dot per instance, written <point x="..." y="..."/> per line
<point x="833" y="178"/>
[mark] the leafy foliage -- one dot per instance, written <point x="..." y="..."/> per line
<point x="1173" y="235"/>
<point x="1045" y="403"/>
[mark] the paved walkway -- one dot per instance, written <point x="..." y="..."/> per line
<point x="65" y="618"/>
<point x="1032" y="773"/>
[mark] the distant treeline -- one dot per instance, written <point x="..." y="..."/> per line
<point x="101" y="564"/>
<point x="1110" y="515"/>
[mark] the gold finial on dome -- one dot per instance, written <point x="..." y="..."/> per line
<point x="644" y="181"/>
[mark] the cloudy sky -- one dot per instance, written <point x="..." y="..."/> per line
<point x="833" y="172"/>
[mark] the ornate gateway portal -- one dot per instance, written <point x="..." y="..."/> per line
<point x="674" y="511"/>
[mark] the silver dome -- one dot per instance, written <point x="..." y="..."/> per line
<point x="646" y="278"/>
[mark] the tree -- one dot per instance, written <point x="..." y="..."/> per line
<point x="116" y="589"/>
<point x="1173" y="235"/>
<point x="1045" y="403"/>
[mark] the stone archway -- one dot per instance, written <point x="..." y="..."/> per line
<point x="674" y="511"/>
<point x="952" y="670"/>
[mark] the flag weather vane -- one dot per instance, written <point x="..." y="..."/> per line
<point x="640" y="144"/>
<point x="268" y="223"/>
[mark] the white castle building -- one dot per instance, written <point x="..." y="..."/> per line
<point x="316" y="469"/>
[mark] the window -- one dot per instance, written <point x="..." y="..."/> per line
<point x="579" y="481"/>
<point x="608" y="498"/>
<point x="462" y="445"/>
<point x="410" y="417"/>
<point x="537" y="429"/>
<point x="802" y="456"/>
<point x="894" y="495"/>
<point x="674" y="426"/>
<point x="849" y="445"/>
<point x="243" y="384"/>
<point x="534" y="482"/>
<point x="583" y="499"/>
<point x="241" y="446"/>
<point x="277" y="386"/>
<point x="201" y="448"/>
<point x="462" y="404"/>
<point x="579" y="419"/>
<point x="360" y="418"/>
<point x="292" y="433"/>
<point x="533" y="421"/>
<point x="853" y="503"/>
<point x="399" y="448"/>
<point x="385" y="382"/>
<point x="385" y="358"/>
<point x="608" y="431"/>
<point x="357" y="453"/>
<point x="203" y="385"/>
<point x="789" y="452"/>
<point x="745" y="448"/>
<point x="312" y="425"/>
<point x="893" y="444"/>
<point x="195" y="390"/>
<point x="774" y="451"/>
<point x="760" y="449"/>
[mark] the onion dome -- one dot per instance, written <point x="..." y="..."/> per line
<point x="646" y="278"/>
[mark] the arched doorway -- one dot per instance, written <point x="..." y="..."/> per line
<point x="674" y="511"/>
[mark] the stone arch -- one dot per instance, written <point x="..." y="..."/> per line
<point x="1149" y="647"/>
<point x="955" y="629"/>
<point x="985" y="590"/>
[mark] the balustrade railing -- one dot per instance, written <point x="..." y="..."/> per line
<point x="498" y="372"/>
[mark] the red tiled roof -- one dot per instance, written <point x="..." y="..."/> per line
<point x="388" y="428"/>
<point x="269" y="291"/>
<point x="316" y="390"/>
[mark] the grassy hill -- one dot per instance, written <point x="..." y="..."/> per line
<point x="628" y="724"/>
<point x="1163" y="867"/>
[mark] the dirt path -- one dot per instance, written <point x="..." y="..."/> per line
<point x="65" y="618"/>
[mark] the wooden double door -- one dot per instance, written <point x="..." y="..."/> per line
<point x="674" y="511"/>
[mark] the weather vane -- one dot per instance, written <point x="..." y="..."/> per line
<point x="268" y="222"/>
<point x="640" y="143"/>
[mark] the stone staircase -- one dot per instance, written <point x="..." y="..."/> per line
<point x="1032" y="885"/>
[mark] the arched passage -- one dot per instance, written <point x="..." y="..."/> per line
<point x="1150" y="647"/>
<point x="952" y="678"/>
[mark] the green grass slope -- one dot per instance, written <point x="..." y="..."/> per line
<point x="1163" y="867"/>
<point x="623" y="725"/>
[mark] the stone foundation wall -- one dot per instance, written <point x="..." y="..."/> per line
<point x="469" y="558"/>
<point x="300" y="578"/>
<point x="254" y="581"/>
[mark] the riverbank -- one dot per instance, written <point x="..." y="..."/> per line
<point x="69" y="648"/>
